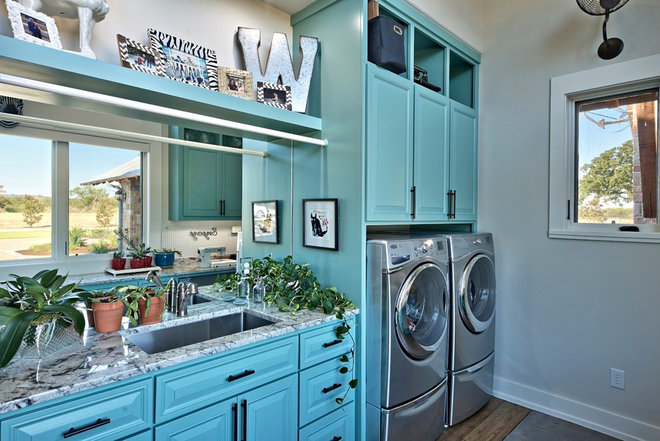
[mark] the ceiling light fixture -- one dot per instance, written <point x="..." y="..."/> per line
<point x="610" y="47"/>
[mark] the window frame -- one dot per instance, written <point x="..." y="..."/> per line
<point x="86" y="263"/>
<point x="565" y="91"/>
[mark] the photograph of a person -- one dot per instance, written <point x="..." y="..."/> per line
<point x="276" y="95"/>
<point x="137" y="56"/>
<point x="185" y="67"/>
<point x="235" y="83"/>
<point x="35" y="27"/>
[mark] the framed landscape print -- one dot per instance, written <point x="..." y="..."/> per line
<point x="137" y="56"/>
<point x="184" y="61"/>
<point x="320" y="224"/>
<point x="265" y="222"/>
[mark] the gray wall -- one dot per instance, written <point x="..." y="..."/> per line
<point x="568" y="310"/>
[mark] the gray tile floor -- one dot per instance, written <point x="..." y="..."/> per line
<point x="541" y="427"/>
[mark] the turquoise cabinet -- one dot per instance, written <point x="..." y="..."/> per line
<point x="463" y="164"/>
<point x="269" y="412"/>
<point x="216" y="422"/>
<point x="336" y="426"/>
<point x="205" y="184"/>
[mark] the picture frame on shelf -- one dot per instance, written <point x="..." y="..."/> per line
<point x="30" y="25"/>
<point x="320" y="224"/>
<point x="140" y="57"/>
<point x="236" y="82"/>
<point x="265" y="222"/>
<point x="184" y="61"/>
<point x="276" y="95"/>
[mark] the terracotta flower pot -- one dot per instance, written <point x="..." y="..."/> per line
<point x="90" y="315"/>
<point x="118" y="264"/>
<point x="136" y="263"/>
<point x="107" y="316"/>
<point x="155" y="310"/>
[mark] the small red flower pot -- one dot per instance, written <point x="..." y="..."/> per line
<point x="118" y="264"/>
<point x="136" y="263"/>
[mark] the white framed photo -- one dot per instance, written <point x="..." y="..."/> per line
<point x="30" y="25"/>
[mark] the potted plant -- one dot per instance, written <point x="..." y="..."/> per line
<point x="145" y="304"/>
<point x="165" y="257"/>
<point x="138" y="252"/>
<point x="118" y="261"/>
<point x="108" y="310"/>
<point x="97" y="293"/>
<point x="33" y="306"/>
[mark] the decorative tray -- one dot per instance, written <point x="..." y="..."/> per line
<point x="132" y="270"/>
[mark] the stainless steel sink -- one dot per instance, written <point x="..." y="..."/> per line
<point x="197" y="299"/>
<point x="189" y="333"/>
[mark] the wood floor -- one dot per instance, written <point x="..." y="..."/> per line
<point x="503" y="421"/>
<point x="493" y="422"/>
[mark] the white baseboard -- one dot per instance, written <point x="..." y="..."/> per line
<point x="601" y="420"/>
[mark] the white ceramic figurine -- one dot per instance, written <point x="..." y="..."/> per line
<point x="88" y="11"/>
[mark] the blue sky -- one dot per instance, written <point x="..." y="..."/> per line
<point x="594" y="140"/>
<point x="26" y="164"/>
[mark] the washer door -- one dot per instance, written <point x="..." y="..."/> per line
<point x="477" y="293"/>
<point x="421" y="311"/>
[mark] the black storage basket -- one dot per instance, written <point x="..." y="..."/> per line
<point x="386" y="43"/>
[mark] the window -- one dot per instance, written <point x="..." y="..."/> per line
<point x="64" y="195"/>
<point x="604" y="153"/>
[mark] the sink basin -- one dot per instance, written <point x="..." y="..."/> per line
<point x="164" y="339"/>
<point x="196" y="300"/>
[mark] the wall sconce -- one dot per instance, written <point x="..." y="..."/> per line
<point x="610" y="47"/>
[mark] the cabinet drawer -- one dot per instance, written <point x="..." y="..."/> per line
<point x="321" y="345"/>
<point x="319" y="387"/>
<point x="336" y="426"/>
<point x="107" y="415"/>
<point x="190" y="388"/>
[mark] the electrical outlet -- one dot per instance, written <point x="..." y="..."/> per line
<point x="617" y="378"/>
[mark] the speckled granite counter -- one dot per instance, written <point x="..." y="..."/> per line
<point x="181" y="266"/>
<point x="100" y="359"/>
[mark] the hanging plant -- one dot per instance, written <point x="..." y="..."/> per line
<point x="293" y="287"/>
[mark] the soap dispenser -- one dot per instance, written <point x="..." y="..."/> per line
<point x="244" y="283"/>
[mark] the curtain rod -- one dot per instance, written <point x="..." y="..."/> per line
<point x="160" y="110"/>
<point x="32" y="121"/>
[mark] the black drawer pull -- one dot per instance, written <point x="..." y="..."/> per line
<point x="234" y="409"/>
<point x="99" y="422"/>
<point x="337" y="438"/>
<point x="245" y="373"/>
<point x="332" y="343"/>
<point x="331" y="388"/>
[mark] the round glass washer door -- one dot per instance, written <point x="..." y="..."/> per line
<point x="421" y="311"/>
<point x="477" y="293"/>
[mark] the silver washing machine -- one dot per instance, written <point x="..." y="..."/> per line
<point x="407" y="337"/>
<point x="472" y="324"/>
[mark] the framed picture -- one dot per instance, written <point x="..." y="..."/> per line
<point x="137" y="56"/>
<point x="236" y="82"/>
<point x="320" y="224"/>
<point x="184" y="61"/>
<point x="265" y="222"/>
<point x="275" y="95"/>
<point x="32" y="26"/>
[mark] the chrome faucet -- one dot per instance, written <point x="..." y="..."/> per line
<point x="153" y="278"/>
<point x="182" y="299"/>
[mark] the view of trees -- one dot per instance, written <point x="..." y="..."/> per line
<point x="33" y="210"/>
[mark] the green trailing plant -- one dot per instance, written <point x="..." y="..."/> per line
<point x="26" y="301"/>
<point x="293" y="287"/>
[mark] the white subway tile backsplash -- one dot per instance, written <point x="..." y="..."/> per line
<point x="188" y="236"/>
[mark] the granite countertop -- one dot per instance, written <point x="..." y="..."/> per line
<point x="181" y="266"/>
<point x="99" y="359"/>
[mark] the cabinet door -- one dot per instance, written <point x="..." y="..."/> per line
<point x="201" y="183"/>
<point x="232" y="184"/>
<point x="431" y="155"/>
<point x="213" y="423"/>
<point x="270" y="412"/>
<point x="463" y="160"/>
<point x="389" y="146"/>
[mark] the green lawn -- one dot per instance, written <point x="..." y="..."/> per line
<point x="24" y="234"/>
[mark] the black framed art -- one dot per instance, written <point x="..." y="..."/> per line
<point x="320" y="224"/>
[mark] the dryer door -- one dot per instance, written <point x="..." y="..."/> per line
<point x="421" y="311"/>
<point x="477" y="293"/>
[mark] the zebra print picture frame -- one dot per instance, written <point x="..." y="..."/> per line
<point x="137" y="56"/>
<point x="184" y="61"/>
<point x="276" y="95"/>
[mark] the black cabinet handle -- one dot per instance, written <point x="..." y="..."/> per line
<point x="244" y="406"/>
<point x="332" y="343"/>
<point x="99" y="422"/>
<point x="453" y="208"/>
<point x="331" y="388"/>
<point x="337" y="438"/>
<point x="223" y="207"/>
<point x="234" y="410"/>
<point x="413" y="192"/>
<point x="245" y="373"/>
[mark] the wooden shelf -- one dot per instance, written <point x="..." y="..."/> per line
<point x="49" y="65"/>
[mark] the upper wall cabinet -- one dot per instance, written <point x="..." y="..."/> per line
<point x="421" y="150"/>
<point x="205" y="184"/>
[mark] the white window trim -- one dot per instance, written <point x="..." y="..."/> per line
<point x="565" y="90"/>
<point x="89" y="263"/>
